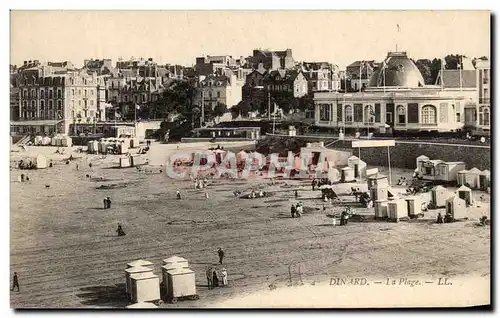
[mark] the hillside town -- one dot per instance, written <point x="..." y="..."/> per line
<point x="138" y="184"/>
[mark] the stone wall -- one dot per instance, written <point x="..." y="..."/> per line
<point x="404" y="155"/>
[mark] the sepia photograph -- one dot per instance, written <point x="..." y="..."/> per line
<point x="250" y="159"/>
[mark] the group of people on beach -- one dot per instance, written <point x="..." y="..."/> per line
<point x="297" y="210"/>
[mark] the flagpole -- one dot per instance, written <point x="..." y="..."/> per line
<point x="442" y="74"/>
<point x="460" y="70"/>
<point x="360" y="69"/>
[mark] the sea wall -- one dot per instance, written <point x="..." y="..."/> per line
<point x="404" y="154"/>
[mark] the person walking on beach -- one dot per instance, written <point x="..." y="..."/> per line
<point x="224" y="277"/>
<point x="296" y="194"/>
<point x="108" y="200"/>
<point x="293" y="210"/>
<point x="210" y="278"/>
<point x="178" y="195"/>
<point x="220" y="252"/>
<point x="105" y="202"/>
<point x="90" y="165"/>
<point x="15" y="282"/>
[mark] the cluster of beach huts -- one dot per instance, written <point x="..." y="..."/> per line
<point x="452" y="172"/>
<point x="112" y="145"/>
<point x="143" y="287"/>
<point x="58" y="141"/>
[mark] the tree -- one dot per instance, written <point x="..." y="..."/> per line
<point x="424" y="66"/>
<point x="452" y="61"/>
<point x="219" y="110"/>
<point x="435" y="68"/>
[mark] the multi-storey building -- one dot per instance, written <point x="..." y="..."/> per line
<point x="322" y="76"/>
<point x="137" y="67"/>
<point x="100" y="67"/>
<point x="213" y="89"/>
<point x="359" y="73"/>
<point x="483" y="91"/>
<point x="50" y="103"/>
<point x="272" y="60"/>
<point x="397" y="97"/>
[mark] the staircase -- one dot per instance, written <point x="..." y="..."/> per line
<point x="22" y="141"/>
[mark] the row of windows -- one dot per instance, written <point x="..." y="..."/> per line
<point x="59" y="103"/>
<point x="42" y="115"/>
<point x="428" y="114"/>
<point x="49" y="94"/>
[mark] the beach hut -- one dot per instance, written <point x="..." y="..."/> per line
<point x="447" y="171"/>
<point x="136" y="160"/>
<point x="414" y="205"/>
<point x="465" y="193"/>
<point x="380" y="209"/>
<point x="124" y="162"/>
<point x="144" y="287"/>
<point x="377" y="179"/>
<point x="176" y="260"/>
<point x="484" y="180"/>
<point x="134" y="270"/>
<point x="164" y="273"/>
<point x="420" y="159"/>
<point x="66" y="141"/>
<point x="472" y="178"/>
<point x="461" y="177"/>
<point x="358" y="165"/>
<point x="347" y="174"/>
<point x="379" y="192"/>
<point x="140" y="262"/>
<point x="397" y="209"/>
<point x="46" y="141"/>
<point x="41" y="161"/>
<point x="181" y="283"/>
<point x="142" y="305"/>
<point x="457" y="207"/>
<point x="439" y="195"/>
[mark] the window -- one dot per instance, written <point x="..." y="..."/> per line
<point x="429" y="115"/>
<point x="484" y="116"/>
<point x="59" y="104"/>
<point x="388" y="117"/>
<point x="59" y="93"/>
<point x="42" y="93"/>
<point x="79" y="92"/>
<point x="85" y="92"/>
<point x="42" y="104"/>
<point x="92" y="92"/>
<point x="458" y="117"/>
<point x="73" y="92"/>
<point x="33" y="93"/>
<point x="348" y="114"/>
<point x="42" y="115"/>
<point x="369" y="114"/>
<point x="25" y="104"/>
<point x="50" y="104"/>
<point x="25" y="93"/>
<point x="218" y="94"/>
<point x="79" y="103"/>
<point x="33" y="104"/>
<point x="85" y="103"/>
<point x="401" y="114"/>
<point x="126" y="98"/>
<point x="50" y="93"/>
<point x="143" y="98"/>
<point x="91" y="102"/>
<point x="324" y="112"/>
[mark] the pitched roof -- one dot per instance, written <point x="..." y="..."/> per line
<point x="451" y="78"/>
<point x="464" y="188"/>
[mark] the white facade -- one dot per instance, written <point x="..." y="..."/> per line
<point x="226" y="90"/>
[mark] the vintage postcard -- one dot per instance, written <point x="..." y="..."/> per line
<point x="250" y="159"/>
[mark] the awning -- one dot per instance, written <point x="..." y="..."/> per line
<point x="36" y="122"/>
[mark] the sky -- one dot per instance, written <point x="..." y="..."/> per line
<point x="178" y="37"/>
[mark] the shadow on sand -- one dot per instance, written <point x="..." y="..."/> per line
<point x="105" y="296"/>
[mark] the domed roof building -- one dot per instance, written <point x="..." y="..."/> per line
<point x="397" y="70"/>
<point x="396" y="98"/>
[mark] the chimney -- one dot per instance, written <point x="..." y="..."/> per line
<point x="25" y="63"/>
